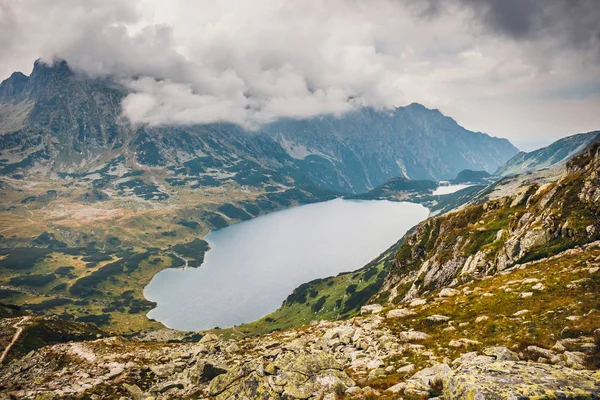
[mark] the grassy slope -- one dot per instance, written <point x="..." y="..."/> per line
<point x="140" y="226"/>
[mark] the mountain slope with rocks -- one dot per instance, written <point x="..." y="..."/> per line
<point x="556" y="154"/>
<point x="462" y="311"/>
<point x="482" y="337"/>
<point x="536" y="221"/>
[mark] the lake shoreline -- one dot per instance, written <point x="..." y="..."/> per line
<point x="258" y="310"/>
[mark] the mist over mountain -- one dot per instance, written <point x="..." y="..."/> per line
<point x="60" y="122"/>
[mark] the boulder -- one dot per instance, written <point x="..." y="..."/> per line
<point x="412" y="336"/>
<point x="371" y="309"/>
<point x="437" y="318"/>
<point x="417" y="302"/>
<point x="448" y="292"/>
<point x="292" y="375"/>
<point x="520" y="380"/>
<point x="205" y="371"/>
<point x="400" y="313"/>
<point x="500" y="353"/>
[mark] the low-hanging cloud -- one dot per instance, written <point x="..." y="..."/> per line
<point x="489" y="63"/>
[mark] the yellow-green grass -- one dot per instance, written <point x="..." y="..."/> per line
<point x="570" y="290"/>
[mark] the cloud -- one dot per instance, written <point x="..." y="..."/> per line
<point x="487" y="63"/>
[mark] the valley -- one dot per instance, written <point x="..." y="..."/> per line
<point x="106" y="229"/>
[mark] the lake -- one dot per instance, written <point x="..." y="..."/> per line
<point x="253" y="266"/>
<point x="447" y="189"/>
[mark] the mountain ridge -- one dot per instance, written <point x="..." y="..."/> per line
<point x="556" y="154"/>
<point x="69" y="122"/>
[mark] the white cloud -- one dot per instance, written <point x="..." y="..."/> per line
<point x="252" y="61"/>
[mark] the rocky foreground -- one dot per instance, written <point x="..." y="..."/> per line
<point x="410" y="351"/>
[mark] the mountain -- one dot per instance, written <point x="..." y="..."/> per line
<point x="470" y="176"/>
<point x="497" y="233"/>
<point x="61" y="123"/>
<point x="558" y="153"/>
<point x="413" y="142"/>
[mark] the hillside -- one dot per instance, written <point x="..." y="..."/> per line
<point x="494" y="300"/>
<point x="470" y="176"/>
<point x="516" y="333"/>
<point x="93" y="207"/>
<point x="556" y="154"/>
<point x="496" y="234"/>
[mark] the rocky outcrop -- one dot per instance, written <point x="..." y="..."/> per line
<point x="293" y="375"/>
<point x="496" y="234"/>
<point x="520" y="380"/>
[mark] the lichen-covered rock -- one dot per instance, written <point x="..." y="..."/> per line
<point x="400" y="313"/>
<point x="520" y="380"/>
<point x="293" y="375"/>
<point x="371" y="309"/>
<point x="412" y="336"/>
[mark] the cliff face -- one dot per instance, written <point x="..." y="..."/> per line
<point x="535" y="222"/>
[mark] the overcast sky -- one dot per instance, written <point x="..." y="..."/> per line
<point x="527" y="70"/>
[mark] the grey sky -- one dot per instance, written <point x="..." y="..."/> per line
<point x="528" y="70"/>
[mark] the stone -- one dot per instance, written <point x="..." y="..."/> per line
<point x="371" y="309"/>
<point x="343" y="333"/>
<point x="525" y="295"/>
<point x="135" y="391"/>
<point x="271" y="369"/>
<point x="481" y="318"/>
<point x="588" y="348"/>
<point x="400" y="313"/>
<point x="432" y="376"/>
<point x="209" y="338"/>
<point x="500" y="353"/>
<point x="518" y="379"/>
<point x="353" y="391"/>
<point x="417" y="302"/>
<point x="163" y="370"/>
<point x="535" y="352"/>
<point x="539" y="287"/>
<point x="397" y="388"/>
<point x="205" y="371"/>
<point x="407" y="369"/>
<point x="575" y="360"/>
<point x="170" y="385"/>
<point x="437" y="318"/>
<point x="412" y="336"/>
<point x="448" y="292"/>
<point x="520" y="313"/>
<point x="462" y="343"/>
<point x="376" y="373"/>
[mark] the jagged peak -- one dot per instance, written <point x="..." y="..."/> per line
<point x="56" y="66"/>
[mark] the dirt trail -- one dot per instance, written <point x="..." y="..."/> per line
<point x="17" y="326"/>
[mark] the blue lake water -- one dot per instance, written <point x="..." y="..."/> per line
<point x="254" y="265"/>
<point x="447" y="189"/>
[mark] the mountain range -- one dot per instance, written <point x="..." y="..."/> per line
<point x="58" y="122"/>
<point x="492" y="301"/>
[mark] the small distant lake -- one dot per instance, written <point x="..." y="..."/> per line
<point x="254" y="265"/>
<point x="447" y="189"/>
